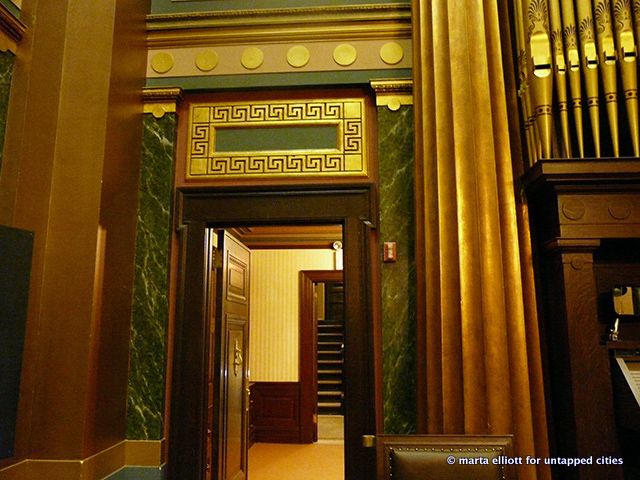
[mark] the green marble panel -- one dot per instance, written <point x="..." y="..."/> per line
<point x="6" y="70"/>
<point x="395" y="153"/>
<point x="145" y="408"/>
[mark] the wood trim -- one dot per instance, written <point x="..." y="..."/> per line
<point x="376" y="320"/>
<point x="12" y="29"/>
<point x="275" y="412"/>
<point x="309" y="350"/>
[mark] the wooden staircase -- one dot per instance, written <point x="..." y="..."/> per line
<point x="330" y="368"/>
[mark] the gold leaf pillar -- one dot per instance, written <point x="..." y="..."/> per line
<point x="473" y="335"/>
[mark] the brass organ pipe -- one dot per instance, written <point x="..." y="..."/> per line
<point x="636" y="17"/>
<point x="539" y="54"/>
<point x="570" y="33"/>
<point x="607" y="55"/>
<point x="590" y="67"/>
<point x="628" y="64"/>
<point x="560" y="77"/>
<point x="523" y="90"/>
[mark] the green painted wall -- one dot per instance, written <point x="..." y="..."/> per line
<point x="395" y="155"/>
<point x="145" y="409"/>
<point x="266" y="80"/>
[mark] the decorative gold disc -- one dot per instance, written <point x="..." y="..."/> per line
<point x="345" y="54"/>
<point x="391" y="53"/>
<point x="252" y="58"/>
<point x="206" y="60"/>
<point x="298" y="56"/>
<point x="162" y="62"/>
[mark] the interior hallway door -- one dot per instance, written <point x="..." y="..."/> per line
<point x="232" y="321"/>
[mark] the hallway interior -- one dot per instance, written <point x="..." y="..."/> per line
<point x="323" y="460"/>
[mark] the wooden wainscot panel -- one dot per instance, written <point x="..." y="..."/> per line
<point x="275" y="412"/>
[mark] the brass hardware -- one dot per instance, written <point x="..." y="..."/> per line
<point x="237" y="358"/>
<point x="368" y="441"/>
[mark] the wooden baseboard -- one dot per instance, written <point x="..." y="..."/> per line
<point x="275" y="412"/>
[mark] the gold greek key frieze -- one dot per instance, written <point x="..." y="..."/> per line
<point x="346" y="158"/>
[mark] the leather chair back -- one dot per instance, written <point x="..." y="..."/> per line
<point x="444" y="457"/>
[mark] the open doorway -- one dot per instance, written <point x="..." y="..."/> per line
<point x="200" y="211"/>
<point x="296" y="353"/>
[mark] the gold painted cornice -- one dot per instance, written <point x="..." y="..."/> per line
<point x="279" y="25"/>
<point x="11" y="29"/>
<point x="159" y="101"/>
<point x="393" y="93"/>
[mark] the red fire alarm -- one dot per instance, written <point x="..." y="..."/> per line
<point x="390" y="252"/>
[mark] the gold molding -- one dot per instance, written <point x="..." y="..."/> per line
<point x="158" y="101"/>
<point x="140" y="453"/>
<point x="393" y="93"/>
<point x="144" y="453"/>
<point x="11" y="30"/>
<point x="279" y="25"/>
<point x="348" y="158"/>
<point x="317" y="56"/>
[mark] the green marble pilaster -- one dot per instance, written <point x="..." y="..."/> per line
<point x="6" y="71"/>
<point x="145" y="409"/>
<point x="395" y="153"/>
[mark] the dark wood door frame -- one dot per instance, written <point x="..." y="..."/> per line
<point x="309" y="349"/>
<point x="354" y="208"/>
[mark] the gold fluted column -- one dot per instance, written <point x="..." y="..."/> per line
<point x="474" y="356"/>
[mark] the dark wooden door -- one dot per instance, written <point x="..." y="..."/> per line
<point x="232" y="316"/>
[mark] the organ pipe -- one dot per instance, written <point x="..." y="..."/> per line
<point x="575" y="52"/>
<point x="628" y="64"/>
<point x="560" y="74"/>
<point x="570" y="37"/>
<point x="607" y="60"/>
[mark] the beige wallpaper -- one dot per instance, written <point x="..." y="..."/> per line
<point x="273" y="354"/>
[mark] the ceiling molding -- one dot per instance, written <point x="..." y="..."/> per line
<point x="268" y="237"/>
<point x="382" y="21"/>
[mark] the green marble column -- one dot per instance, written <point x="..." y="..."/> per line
<point x="6" y="71"/>
<point x="395" y="153"/>
<point x="145" y="409"/>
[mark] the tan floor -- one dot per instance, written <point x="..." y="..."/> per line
<point x="278" y="461"/>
